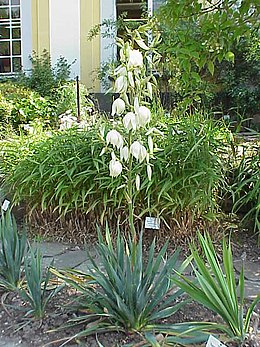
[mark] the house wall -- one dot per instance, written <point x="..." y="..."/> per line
<point x="61" y="27"/>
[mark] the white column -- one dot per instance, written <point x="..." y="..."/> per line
<point x="65" y="32"/>
<point x="107" y="45"/>
<point x="150" y="7"/>
<point x="26" y="33"/>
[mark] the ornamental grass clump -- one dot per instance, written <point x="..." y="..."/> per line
<point x="217" y="290"/>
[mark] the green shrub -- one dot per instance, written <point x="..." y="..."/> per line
<point x="20" y="106"/>
<point x="43" y="77"/>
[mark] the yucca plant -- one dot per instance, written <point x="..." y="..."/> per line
<point x="216" y="289"/>
<point x="12" y="252"/>
<point x="123" y="291"/>
<point x="36" y="291"/>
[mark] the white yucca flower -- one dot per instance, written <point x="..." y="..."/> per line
<point x="118" y="106"/>
<point x="150" y="144"/>
<point x="124" y="153"/>
<point x="121" y="84"/>
<point x="115" y="138"/>
<point x="135" y="58"/>
<point x="115" y="168"/>
<point x="129" y="121"/>
<point x="144" y="116"/>
<point x="138" y="151"/>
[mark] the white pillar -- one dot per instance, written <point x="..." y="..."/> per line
<point x="65" y="32"/>
<point x="26" y="33"/>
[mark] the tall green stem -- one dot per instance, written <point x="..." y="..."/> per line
<point x="130" y="191"/>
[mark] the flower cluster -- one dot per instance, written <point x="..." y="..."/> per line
<point x="130" y="111"/>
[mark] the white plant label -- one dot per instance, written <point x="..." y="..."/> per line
<point x="214" y="342"/>
<point x="5" y="205"/>
<point x="152" y="223"/>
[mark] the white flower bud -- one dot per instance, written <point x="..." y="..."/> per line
<point x="114" y="138"/>
<point x="137" y="182"/>
<point x="150" y="89"/>
<point x="136" y="105"/>
<point x="118" y="106"/>
<point x="149" y="172"/>
<point x="121" y="84"/>
<point x="135" y="58"/>
<point x="129" y="121"/>
<point x="138" y="151"/>
<point x="144" y="116"/>
<point x="115" y="168"/>
<point x="124" y="153"/>
<point x="150" y="144"/>
<point x="131" y="79"/>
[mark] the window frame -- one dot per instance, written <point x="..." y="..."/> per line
<point x="12" y="23"/>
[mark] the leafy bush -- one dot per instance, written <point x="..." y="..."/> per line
<point x="217" y="290"/>
<point x="64" y="172"/>
<point x="43" y="78"/>
<point x="123" y="292"/>
<point x="13" y="249"/>
<point x="20" y="106"/>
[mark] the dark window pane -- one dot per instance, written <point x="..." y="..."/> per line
<point x="17" y="64"/>
<point x="16" y="34"/>
<point x="5" y="65"/>
<point x="4" y="2"/>
<point x="15" y="12"/>
<point x="4" y="13"/>
<point x="4" y="32"/>
<point x="16" y="47"/>
<point x="15" y="2"/>
<point x="4" y="48"/>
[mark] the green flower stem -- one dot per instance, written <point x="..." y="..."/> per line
<point x="130" y="191"/>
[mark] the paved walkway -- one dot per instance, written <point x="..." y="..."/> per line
<point x="65" y="256"/>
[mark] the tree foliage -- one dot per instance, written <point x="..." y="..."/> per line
<point x="198" y="34"/>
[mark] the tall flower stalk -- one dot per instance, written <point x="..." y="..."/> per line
<point x="135" y="84"/>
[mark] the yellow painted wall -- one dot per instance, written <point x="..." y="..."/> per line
<point x="40" y="26"/>
<point x="89" y="50"/>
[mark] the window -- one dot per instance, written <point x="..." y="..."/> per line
<point x="131" y="9"/>
<point x="10" y="36"/>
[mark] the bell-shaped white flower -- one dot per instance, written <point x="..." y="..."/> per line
<point x="115" y="138"/>
<point x="115" y="168"/>
<point x="135" y="58"/>
<point x="121" y="84"/>
<point x="118" y="106"/>
<point x="124" y="153"/>
<point x="136" y="105"/>
<point x="138" y="151"/>
<point x="129" y="121"/>
<point x="144" y="116"/>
